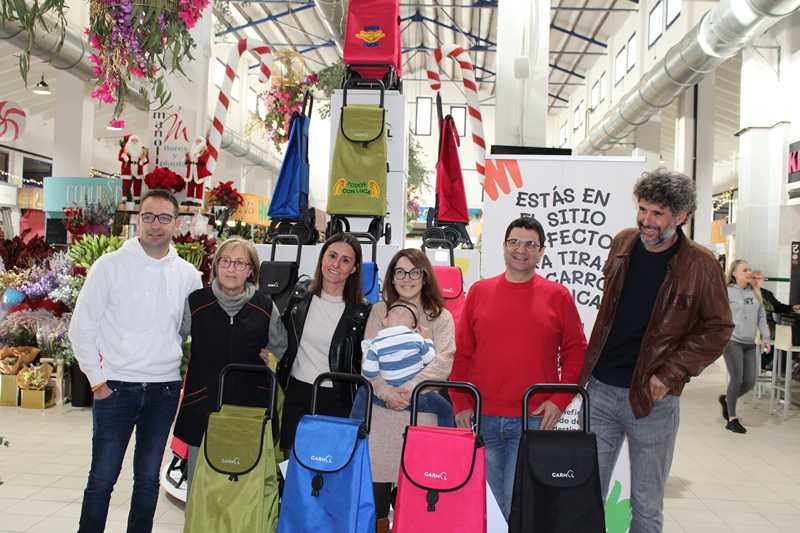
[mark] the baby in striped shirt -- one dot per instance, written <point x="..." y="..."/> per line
<point x="397" y="354"/>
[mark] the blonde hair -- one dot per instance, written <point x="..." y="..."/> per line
<point x="249" y="250"/>
<point x="731" y="280"/>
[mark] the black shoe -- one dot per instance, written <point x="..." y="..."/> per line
<point x="724" y="405"/>
<point x="735" y="426"/>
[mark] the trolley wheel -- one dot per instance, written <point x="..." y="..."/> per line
<point x="451" y="235"/>
<point x="376" y="228"/>
<point x="335" y="225"/>
<point x="434" y="232"/>
<point x="302" y="232"/>
<point x="387" y="234"/>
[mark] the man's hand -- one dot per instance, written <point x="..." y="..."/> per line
<point x="765" y="346"/>
<point x="103" y="392"/>
<point x="550" y="413"/>
<point x="264" y="355"/>
<point x="657" y="388"/>
<point x="464" y="418"/>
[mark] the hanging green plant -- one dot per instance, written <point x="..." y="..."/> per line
<point x="330" y="79"/>
<point x="31" y="16"/>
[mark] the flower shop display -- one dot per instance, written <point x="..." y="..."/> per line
<point x="224" y="200"/>
<point x="18" y="252"/>
<point x="36" y="390"/>
<point x="94" y="218"/>
<point x="142" y="39"/>
<point x="187" y="247"/>
<point x="90" y="248"/>
<point x="164" y="178"/>
<point x="12" y="360"/>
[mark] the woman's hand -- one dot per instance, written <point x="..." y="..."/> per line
<point x="264" y="355"/>
<point x="396" y="399"/>
<point x="425" y="332"/>
<point x="765" y="346"/>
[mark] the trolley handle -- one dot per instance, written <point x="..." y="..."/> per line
<point x="353" y="82"/>
<point x="445" y="244"/>
<point x="370" y="238"/>
<point x="555" y="387"/>
<point x="351" y="378"/>
<point x="308" y="98"/>
<point x="462" y="385"/>
<point x="254" y="369"/>
<point x="286" y="237"/>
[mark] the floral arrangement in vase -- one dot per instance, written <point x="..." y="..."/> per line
<point x="225" y="195"/>
<point x="164" y="178"/>
<point x="140" y="39"/>
<point x="94" y="218"/>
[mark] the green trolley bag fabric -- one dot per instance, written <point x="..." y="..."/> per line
<point x="235" y="487"/>
<point x="359" y="169"/>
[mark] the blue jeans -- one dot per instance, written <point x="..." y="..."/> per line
<point x="501" y="436"/>
<point x="651" y="442"/>
<point x="150" y="408"/>
<point x="429" y="402"/>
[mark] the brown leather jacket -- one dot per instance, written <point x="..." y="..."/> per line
<point x="688" y="329"/>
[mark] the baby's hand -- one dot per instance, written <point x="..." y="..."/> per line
<point x="425" y="332"/>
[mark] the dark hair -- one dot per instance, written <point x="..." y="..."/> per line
<point x="161" y="194"/>
<point x="405" y="305"/>
<point x="671" y="189"/>
<point x="528" y="223"/>
<point x="431" y="296"/>
<point x="353" y="291"/>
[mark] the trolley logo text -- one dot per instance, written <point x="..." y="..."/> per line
<point x="441" y="476"/>
<point x="367" y="187"/>
<point x="569" y="473"/>
<point x="228" y="461"/>
<point x="328" y="459"/>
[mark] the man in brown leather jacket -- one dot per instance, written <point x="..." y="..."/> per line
<point x="664" y="317"/>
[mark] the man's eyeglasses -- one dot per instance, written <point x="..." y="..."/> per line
<point x="163" y="218"/>
<point x="238" y="264"/>
<point x="414" y="274"/>
<point x="528" y="245"/>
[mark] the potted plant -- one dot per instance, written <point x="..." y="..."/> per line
<point x="164" y="178"/>
<point x="224" y="200"/>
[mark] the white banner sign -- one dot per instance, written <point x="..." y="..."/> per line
<point x="172" y="134"/>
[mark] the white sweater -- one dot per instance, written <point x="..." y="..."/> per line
<point x="126" y="324"/>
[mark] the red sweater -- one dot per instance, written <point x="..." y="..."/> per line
<point x="509" y="338"/>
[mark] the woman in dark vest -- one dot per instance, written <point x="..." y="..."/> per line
<point x="231" y="322"/>
<point x="325" y="321"/>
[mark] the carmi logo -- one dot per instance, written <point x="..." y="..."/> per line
<point x="441" y="476"/>
<point x="318" y="458"/>
<point x="569" y="473"/>
<point x="226" y="461"/>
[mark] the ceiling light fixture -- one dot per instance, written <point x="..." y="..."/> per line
<point x="42" y="88"/>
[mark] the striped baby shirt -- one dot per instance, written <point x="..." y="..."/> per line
<point x="396" y="354"/>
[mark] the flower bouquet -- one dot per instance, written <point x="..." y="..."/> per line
<point x="18" y="252"/>
<point x="75" y="221"/>
<point x="34" y="377"/>
<point x="225" y="195"/>
<point x="164" y="178"/>
<point x="185" y="246"/>
<point x="281" y="101"/>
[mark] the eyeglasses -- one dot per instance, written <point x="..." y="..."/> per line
<point x="238" y="264"/>
<point x="414" y="274"/>
<point x="528" y="245"/>
<point x="163" y="218"/>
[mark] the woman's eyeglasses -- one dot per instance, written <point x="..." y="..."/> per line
<point x="401" y="274"/>
<point x="238" y="264"/>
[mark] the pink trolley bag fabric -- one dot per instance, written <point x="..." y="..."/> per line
<point x="372" y="46"/>
<point x="450" y="279"/>
<point x="442" y="480"/>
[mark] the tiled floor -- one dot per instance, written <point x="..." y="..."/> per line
<point x="720" y="481"/>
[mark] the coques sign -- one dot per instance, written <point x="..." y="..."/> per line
<point x="581" y="202"/>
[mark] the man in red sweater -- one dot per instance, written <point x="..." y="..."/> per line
<point x="515" y="328"/>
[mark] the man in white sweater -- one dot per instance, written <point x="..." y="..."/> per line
<point x="125" y="334"/>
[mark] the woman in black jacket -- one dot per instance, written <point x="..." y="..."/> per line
<point x="231" y="322"/>
<point x="325" y="321"/>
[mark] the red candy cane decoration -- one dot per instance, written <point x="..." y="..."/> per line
<point x="218" y="123"/>
<point x="12" y="121"/>
<point x="473" y="102"/>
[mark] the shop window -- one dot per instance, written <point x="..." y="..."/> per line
<point x="632" y="52"/>
<point x="673" y="11"/>
<point x="619" y="66"/>
<point x="252" y="101"/>
<point x="3" y="166"/>
<point x="34" y="171"/>
<point x="655" y="24"/>
<point x="603" y="87"/>
<point x="562" y="135"/>
<point x="459" y="114"/>
<point x="577" y="119"/>
<point x="595" y="95"/>
<point x="422" y="118"/>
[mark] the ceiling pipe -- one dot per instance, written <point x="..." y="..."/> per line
<point x="72" y="56"/>
<point x="721" y="33"/>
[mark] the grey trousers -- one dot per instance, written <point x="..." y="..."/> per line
<point x="741" y="362"/>
<point x="651" y="442"/>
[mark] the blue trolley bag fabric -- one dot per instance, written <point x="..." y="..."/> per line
<point x="290" y="197"/>
<point x="369" y="276"/>
<point x="328" y="485"/>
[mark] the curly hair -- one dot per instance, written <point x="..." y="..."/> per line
<point x="671" y="189"/>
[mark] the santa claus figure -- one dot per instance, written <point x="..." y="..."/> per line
<point x="197" y="170"/>
<point x="134" y="158"/>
